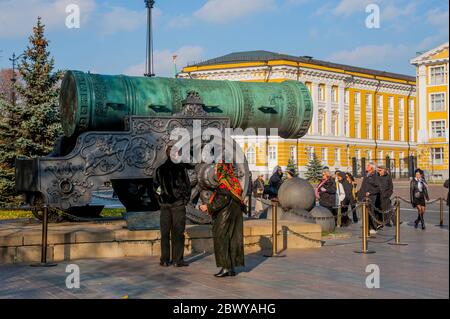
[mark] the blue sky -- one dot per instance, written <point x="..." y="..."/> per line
<point x="111" y="37"/>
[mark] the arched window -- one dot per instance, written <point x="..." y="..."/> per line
<point x="251" y="155"/>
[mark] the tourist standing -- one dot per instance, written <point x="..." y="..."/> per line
<point x="258" y="192"/>
<point x="326" y="191"/>
<point x="226" y="208"/>
<point x="344" y="197"/>
<point x="386" y="191"/>
<point x="418" y="195"/>
<point x="275" y="182"/>
<point x="370" y="188"/>
<point x="173" y="187"/>
<point x="290" y="173"/>
<point x="351" y="181"/>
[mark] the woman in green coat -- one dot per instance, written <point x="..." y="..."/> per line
<point x="226" y="208"/>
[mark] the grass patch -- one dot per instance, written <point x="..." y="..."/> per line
<point x="13" y="214"/>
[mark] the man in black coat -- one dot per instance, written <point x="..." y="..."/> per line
<point x="173" y="186"/>
<point x="386" y="191"/>
<point x="370" y="188"/>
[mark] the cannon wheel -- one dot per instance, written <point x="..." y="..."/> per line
<point x="38" y="203"/>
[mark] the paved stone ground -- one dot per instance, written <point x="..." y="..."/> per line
<point x="419" y="270"/>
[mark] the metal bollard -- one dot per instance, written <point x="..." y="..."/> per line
<point x="274" y="230"/>
<point x="44" y="262"/>
<point x="339" y="216"/>
<point x="441" y="212"/>
<point x="397" y="224"/>
<point x="365" y="228"/>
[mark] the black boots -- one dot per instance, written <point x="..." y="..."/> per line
<point x="416" y="222"/>
<point x="355" y="217"/>
<point x="422" y="221"/>
<point x="225" y="273"/>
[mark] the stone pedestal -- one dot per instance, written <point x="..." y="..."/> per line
<point x="142" y="220"/>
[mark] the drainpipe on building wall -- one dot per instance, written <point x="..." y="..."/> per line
<point x="376" y="116"/>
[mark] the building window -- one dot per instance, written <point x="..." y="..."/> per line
<point x="390" y="132"/>
<point x="437" y="102"/>
<point x="310" y="153"/>
<point x="437" y="75"/>
<point x="293" y="153"/>
<point x="357" y="98"/>
<point x="251" y="155"/>
<point x="357" y="131"/>
<point x="380" y="131"/>
<point x="401" y="106"/>
<point x="391" y="104"/>
<point x="358" y="154"/>
<point x="346" y="127"/>
<point x="411" y="132"/>
<point x="324" y="155"/>
<point x="379" y="156"/>
<point x="401" y="136"/>
<point x="380" y="104"/>
<point x="369" y="103"/>
<point x="411" y="108"/>
<point x="369" y="129"/>
<point x="437" y="128"/>
<point x="321" y="92"/>
<point x="368" y="155"/>
<point x="347" y="97"/>
<point x="437" y="155"/>
<point x="334" y="94"/>
<point x="337" y="155"/>
<point x="272" y="152"/>
<point x="321" y="124"/>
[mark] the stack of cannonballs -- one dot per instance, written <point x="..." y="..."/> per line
<point x="297" y="202"/>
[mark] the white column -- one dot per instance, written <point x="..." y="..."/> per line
<point x="315" y="97"/>
<point x="421" y="107"/>
<point x="328" y="109"/>
<point x="341" y="107"/>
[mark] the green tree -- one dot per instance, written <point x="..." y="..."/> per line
<point x="314" y="169"/>
<point x="292" y="166"/>
<point x="30" y="128"/>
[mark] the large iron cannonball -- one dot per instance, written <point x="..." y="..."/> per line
<point x="296" y="193"/>
<point x="324" y="218"/>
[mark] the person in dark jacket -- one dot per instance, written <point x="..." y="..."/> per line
<point x="446" y="186"/>
<point x="275" y="182"/>
<point x="418" y="195"/>
<point x="345" y="204"/>
<point x="351" y="181"/>
<point x="225" y="207"/>
<point x="386" y="191"/>
<point x="326" y="191"/>
<point x="370" y="188"/>
<point x="173" y="187"/>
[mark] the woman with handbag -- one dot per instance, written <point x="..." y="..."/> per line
<point x="226" y="208"/>
<point x="418" y="195"/>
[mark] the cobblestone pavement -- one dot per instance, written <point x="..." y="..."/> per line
<point x="418" y="270"/>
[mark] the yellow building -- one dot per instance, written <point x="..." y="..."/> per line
<point x="358" y="112"/>
<point x="432" y="115"/>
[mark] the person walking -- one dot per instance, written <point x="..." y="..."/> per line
<point x="386" y="191"/>
<point x="419" y="196"/>
<point x="326" y="191"/>
<point x="173" y="187"/>
<point x="275" y="182"/>
<point x="352" y="202"/>
<point x="226" y="208"/>
<point x="258" y="193"/>
<point x="370" y="188"/>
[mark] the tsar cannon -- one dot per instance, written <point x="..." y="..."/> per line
<point x="116" y="130"/>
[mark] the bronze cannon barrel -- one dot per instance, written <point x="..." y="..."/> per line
<point x="94" y="102"/>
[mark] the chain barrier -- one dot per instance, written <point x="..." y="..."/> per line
<point x="293" y="232"/>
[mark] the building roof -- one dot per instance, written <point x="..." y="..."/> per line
<point x="261" y="55"/>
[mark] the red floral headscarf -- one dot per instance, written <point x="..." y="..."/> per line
<point x="227" y="180"/>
